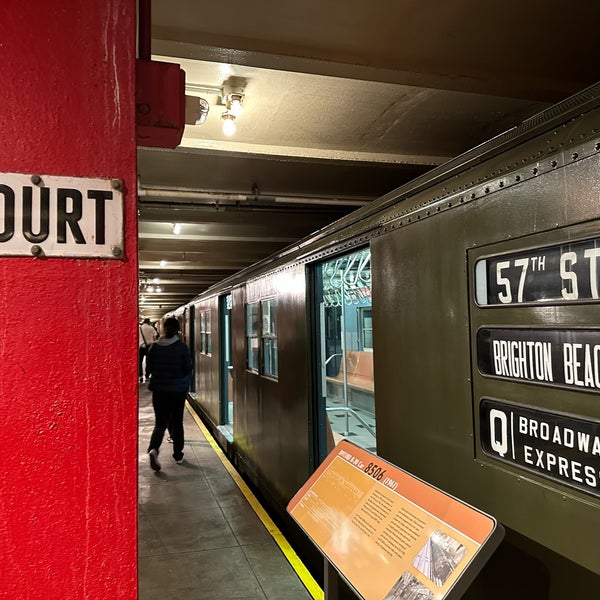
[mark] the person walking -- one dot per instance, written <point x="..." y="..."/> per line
<point x="146" y="337"/>
<point x="169" y="368"/>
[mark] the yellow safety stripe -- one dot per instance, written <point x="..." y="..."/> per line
<point x="303" y="573"/>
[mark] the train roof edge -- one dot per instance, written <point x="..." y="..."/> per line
<point x="565" y="110"/>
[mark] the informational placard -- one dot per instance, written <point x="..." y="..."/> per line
<point x="561" y="357"/>
<point x="391" y="535"/>
<point x="565" y="273"/>
<point x="46" y="215"/>
<point x="562" y="447"/>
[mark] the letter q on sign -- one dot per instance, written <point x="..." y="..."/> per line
<point x="498" y="432"/>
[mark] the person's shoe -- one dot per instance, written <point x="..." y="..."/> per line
<point x="154" y="464"/>
<point x="169" y="439"/>
<point x="179" y="461"/>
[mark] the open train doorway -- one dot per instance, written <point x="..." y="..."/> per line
<point x="346" y="390"/>
<point x="226" y="376"/>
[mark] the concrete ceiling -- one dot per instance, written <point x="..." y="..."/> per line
<point x="343" y="101"/>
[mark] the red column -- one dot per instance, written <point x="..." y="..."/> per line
<point x="68" y="380"/>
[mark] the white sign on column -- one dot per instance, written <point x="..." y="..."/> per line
<point x="47" y="215"/>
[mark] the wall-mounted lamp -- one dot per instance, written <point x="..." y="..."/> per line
<point x="196" y="110"/>
<point x="204" y="108"/>
<point x="229" y="127"/>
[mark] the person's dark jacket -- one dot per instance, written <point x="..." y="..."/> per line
<point x="169" y="366"/>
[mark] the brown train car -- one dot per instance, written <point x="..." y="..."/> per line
<point x="452" y="328"/>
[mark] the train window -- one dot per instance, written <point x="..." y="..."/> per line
<point x="252" y="322"/>
<point x="345" y="336"/>
<point x="208" y="334"/>
<point x="365" y="330"/>
<point x="269" y="337"/>
<point x="202" y="340"/>
<point x="205" y="335"/>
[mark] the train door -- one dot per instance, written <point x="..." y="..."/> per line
<point x="344" y="334"/>
<point x="226" y="375"/>
<point x="190" y="341"/>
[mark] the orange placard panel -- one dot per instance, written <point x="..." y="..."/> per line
<point x="389" y="534"/>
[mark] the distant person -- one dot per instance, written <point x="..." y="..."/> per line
<point x="169" y="367"/>
<point x="146" y="337"/>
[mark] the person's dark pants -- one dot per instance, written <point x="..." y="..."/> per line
<point x="168" y="412"/>
<point x="142" y="352"/>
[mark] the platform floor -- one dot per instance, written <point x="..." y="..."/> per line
<point x="199" y="537"/>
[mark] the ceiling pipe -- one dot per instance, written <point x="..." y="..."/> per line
<point x="176" y="193"/>
<point x="219" y="197"/>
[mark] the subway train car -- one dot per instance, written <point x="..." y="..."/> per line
<point x="452" y="328"/>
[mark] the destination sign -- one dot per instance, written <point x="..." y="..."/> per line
<point x="562" y="357"/>
<point x="60" y="216"/>
<point x="560" y="447"/>
<point x="567" y="272"/>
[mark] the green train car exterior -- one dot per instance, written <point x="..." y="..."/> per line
<point x="452" y="327"/>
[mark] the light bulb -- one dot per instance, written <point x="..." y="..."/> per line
<point x="228" y="123"/>
<point x="163" y="263"/>
<point x="177" y="228"/>
<point x="235" y="107"/>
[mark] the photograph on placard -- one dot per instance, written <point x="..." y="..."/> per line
<point x="439" y="557"/>
<point x="408" y="587"/>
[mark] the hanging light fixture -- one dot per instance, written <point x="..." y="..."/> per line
<point x="233" y="102"/>
<point x="232" y="96"/>
<point x="229" y="127"/>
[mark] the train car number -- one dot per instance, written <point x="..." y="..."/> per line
<point x="375" y="471"/>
